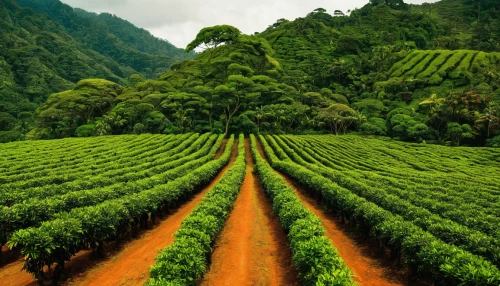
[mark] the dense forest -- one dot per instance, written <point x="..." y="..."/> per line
<point x="47" y="47"/>
<point x="422" y="73"/>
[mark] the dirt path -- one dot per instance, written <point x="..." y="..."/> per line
<point x="131" y="265"/>
<point x="253" y="248"/>
<point x="367" y="264"/>
<point x="12" y="273"/>
<point x="221" y="149"/>
<point x="127" y="266"/>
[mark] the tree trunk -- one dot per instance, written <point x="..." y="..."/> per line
<point x="227" y="127"/>
<point x="229" y="116"/>
<point x="100" y="249"/>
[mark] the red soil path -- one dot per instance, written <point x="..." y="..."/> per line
<point x="252" y="248"/>
<point x="368" y="267"/>
<point x="12" y="274"/>
<point x="127" y="266"/>
<point x="222" y="148"/>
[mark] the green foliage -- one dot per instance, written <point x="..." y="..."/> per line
<point x="102" y="214"/>
<point x="436" y="64"/>
<point x="282" y="80"/>
<point x="6" y="121"/>
<point x="407" y="128"/>
<point x="139" y="128"/>
<point x="86" y="130"/>
<point x="393" y="210"/>
<point x="494" y="142"/>
<point x="212" y="37"/>
<point x="313" y="255"/>
<point x="119" y="40"/>
<point x="457" y="132"/>
<point x="335" y="97"/>
<point x="183" y="262"/>
<point x="374" y="126"/>
<point x="419" y="56"/>
<point x="371" y="107"/>
<point x="337" y="117"/>
<point x="48" y="46"/>
<point x="64" y="112"/>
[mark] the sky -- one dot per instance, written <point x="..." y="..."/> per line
<point x="178" y="21"/>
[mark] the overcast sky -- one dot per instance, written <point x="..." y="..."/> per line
<point x="178" y="21"/>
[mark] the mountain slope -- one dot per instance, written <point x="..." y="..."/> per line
<point x="132" y="36"/>
<point x="95" y="33"/>
<point x="38" y="58"/>
<point x="474" y="24"/>
<point x="386" y="69"/>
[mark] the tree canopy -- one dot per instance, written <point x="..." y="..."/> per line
<point x="414" y="72"/>
<point x="214" y="36"/>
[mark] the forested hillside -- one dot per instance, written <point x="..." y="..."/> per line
<point x="112" y="37"/>
<point x="39" y="56"/>
<point x="133" y="36"/>
<point x="472" y="23"/>
<point x="389" y="68"/>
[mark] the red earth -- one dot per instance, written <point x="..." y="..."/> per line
<point x="368" y="266"/>
<point x="252" y="249"/>
<point x="128" y="265"/>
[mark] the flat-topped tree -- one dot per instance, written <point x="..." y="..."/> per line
<point x="320" y="10"/>
<point x="63" y="112"/>
<point x="337" y="117"/>
<point x="338" y="13"/>
<point x="213" y="37"/>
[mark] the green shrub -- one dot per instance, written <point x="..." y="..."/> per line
<point x="183" y="262"/>
<point x="374" y="126"/>
<point x="313" y="255"/>
<point x="495" y="142"/>
<point x="87" y="130"/>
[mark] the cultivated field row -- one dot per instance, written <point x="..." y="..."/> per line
<point x="434" y="66"/>
<point x="269" y="210"/>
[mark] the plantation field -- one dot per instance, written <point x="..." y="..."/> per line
<point x="436" y="65"/>
<point x="437" y="207"/>
<point x="273" y="210"/>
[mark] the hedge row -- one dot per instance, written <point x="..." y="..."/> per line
<point x="424" y="254"/>
<point x="183" y="262"/>
<point x="58" y="240"/>
<point x="314" y="257"/>
<point x="35" y="211"/>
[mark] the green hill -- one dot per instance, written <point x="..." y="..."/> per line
<point x="434" y="66"/>
<point x="40" y="56"/>
<point x="386" y="69"/>
<point x="111" y="36"/>
<point x="132" y="36"/>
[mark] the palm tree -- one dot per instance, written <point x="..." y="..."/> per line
<point x="433" y="102"/>
<point x="489" y="118"/>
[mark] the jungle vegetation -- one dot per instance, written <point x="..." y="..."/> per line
<point x="422" y="73"/>
<point x="47" y="47"/>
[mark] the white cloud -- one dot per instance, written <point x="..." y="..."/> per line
<point x="179" y="21"/>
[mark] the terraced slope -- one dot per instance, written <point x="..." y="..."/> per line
<point x="433" y="67"/>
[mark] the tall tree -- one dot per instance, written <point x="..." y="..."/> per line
<point x="212" y="37"/>
<point x="337" y="117"/>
